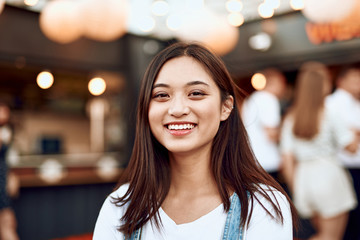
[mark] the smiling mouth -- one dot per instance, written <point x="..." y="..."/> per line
<point x="187" y="126"/>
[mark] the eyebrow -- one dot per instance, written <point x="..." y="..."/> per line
<point x="192" y="83"/>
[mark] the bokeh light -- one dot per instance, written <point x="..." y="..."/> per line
<point x="235" y="19"/>
<point x="265" y="10"/>
<point x="160" y="8"/>
<point x="97" y="86"/>
<point x="258" y="81"/>
<point x="45" y="80"/>
<point x="234" y="6"/>
<point x="260" y="41"/>
<point x="60" y="21"/>
<point x="174" y="22"/>
<point x="146" y="24"/>
<point x="104" y="20"/>
<point x="297" y="4"/>
<point x="31" y="3"/>
<point x="275" y="4"/>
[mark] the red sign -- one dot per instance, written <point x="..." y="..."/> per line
<point x="329" y="32"/>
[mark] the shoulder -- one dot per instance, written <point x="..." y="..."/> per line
<point x="120" y="191"/>
<point x="264" y="226"/>
<point x="263" y="96"/>
<point x="268" y="200"/>
<point x="260" y="101"/>
<point x="338" y="98"/>
<point x="110" y="207"/>
<point x="109" y="217"/>
<point x="275" y="195"/>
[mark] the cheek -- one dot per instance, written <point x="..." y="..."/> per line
<point x="212" y="114"/>
<point x="154" y="116"/>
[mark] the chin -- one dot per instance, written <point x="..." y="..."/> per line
<point x="179" y="149"/>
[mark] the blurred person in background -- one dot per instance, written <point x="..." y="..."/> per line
<point x="8" y="185"/>
<point x="261" y="114"/>
<point x="321" y="187"/>
<point x="345" y="102"/>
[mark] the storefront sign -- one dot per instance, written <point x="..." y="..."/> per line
<point x="329" y="32"/>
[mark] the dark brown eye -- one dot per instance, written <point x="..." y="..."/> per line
<point x="160" y="95"/>
<point x="197" y="94"/>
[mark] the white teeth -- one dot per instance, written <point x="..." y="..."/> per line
<point x="180" y="126"/>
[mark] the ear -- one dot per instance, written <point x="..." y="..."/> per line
<point x="226" y="108"/>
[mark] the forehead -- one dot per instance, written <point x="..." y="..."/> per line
<point x="183" y="69"/>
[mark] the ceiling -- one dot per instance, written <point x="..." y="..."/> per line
<point x="142" y="8"/>
<point x="249" y="6"/>
<point x="26" y="77"/>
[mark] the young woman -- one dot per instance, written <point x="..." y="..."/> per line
<point x="192" y="174"/>
<point x="311" y="136"/>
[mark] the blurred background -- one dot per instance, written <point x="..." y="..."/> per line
<point x="70" y="72"/>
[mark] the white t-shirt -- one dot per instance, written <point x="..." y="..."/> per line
<point x="347" y="108"/>
<point x="209" y="226"/>
<point x="262" y="110"/>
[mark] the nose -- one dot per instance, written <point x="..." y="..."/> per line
<point x="178" y="107"/>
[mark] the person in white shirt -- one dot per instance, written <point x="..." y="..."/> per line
<point x="192" y="174"/>
<point x="311" y="134"/>
<point x="345" y="103"/>
<point x="262" y="118"/>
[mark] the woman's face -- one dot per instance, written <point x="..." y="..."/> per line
<point x="186" y="109"/>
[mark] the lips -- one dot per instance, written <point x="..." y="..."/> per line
<point x="180" y="126"/>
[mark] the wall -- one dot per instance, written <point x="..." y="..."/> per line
<point x="45" y="213"/>
<point x="72" y="130"/>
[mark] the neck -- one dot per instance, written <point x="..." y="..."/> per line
<point x="191" y="173"/>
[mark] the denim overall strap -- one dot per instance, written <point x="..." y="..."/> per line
<point x="232" y="230"/>
<point x="135" y="235"/>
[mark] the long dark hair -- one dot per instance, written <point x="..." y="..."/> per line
<point x="233" y="164"/>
